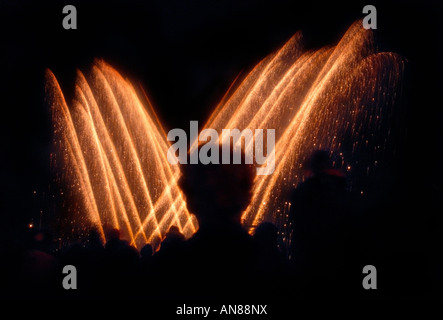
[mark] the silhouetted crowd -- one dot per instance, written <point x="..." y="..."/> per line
<point x="221" y="260"/>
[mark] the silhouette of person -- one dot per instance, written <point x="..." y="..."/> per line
<point x="114" y="243"/>
<point x="39" y="273"/>
<point x="318" y="213"/>
<point x="93" y="265"/>
<point x="146" y="251"/>
<point x="94" y="241"/>
<point x="121" y="262"/>
<point x="269" y="254"/>
<point x="271" y="264"/>
<point x="166" y="265"/>
<point x="220" y="256"/>
<point x="146" y="257"/>
<point x="173" y="240"/>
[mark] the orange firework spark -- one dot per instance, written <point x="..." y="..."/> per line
<point x="112" y="151"/>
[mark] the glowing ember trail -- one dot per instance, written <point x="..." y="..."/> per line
<point x="111" y="152"/>
<point x="337" y="98"/>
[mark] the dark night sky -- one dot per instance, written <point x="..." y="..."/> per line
<point x="186" y="54"/>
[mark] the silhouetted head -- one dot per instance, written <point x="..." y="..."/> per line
<point x="114" y="234"/>
<point x="173" y="230"/>
<point x="266" y="233"/>
<point x="94" y="237"/>
<point x="173" y="240"/>
<point x="146" y="251"/>
<point x="319" y="162"/>
<point x="156" y="243"/>
<point x="217" y="193"/>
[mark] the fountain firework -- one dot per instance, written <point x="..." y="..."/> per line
<point x="111" y="151"/>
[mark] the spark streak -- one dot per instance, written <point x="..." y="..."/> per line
<point x="110" y="150"/>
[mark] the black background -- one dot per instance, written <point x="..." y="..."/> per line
<point x="186" y="54"/>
